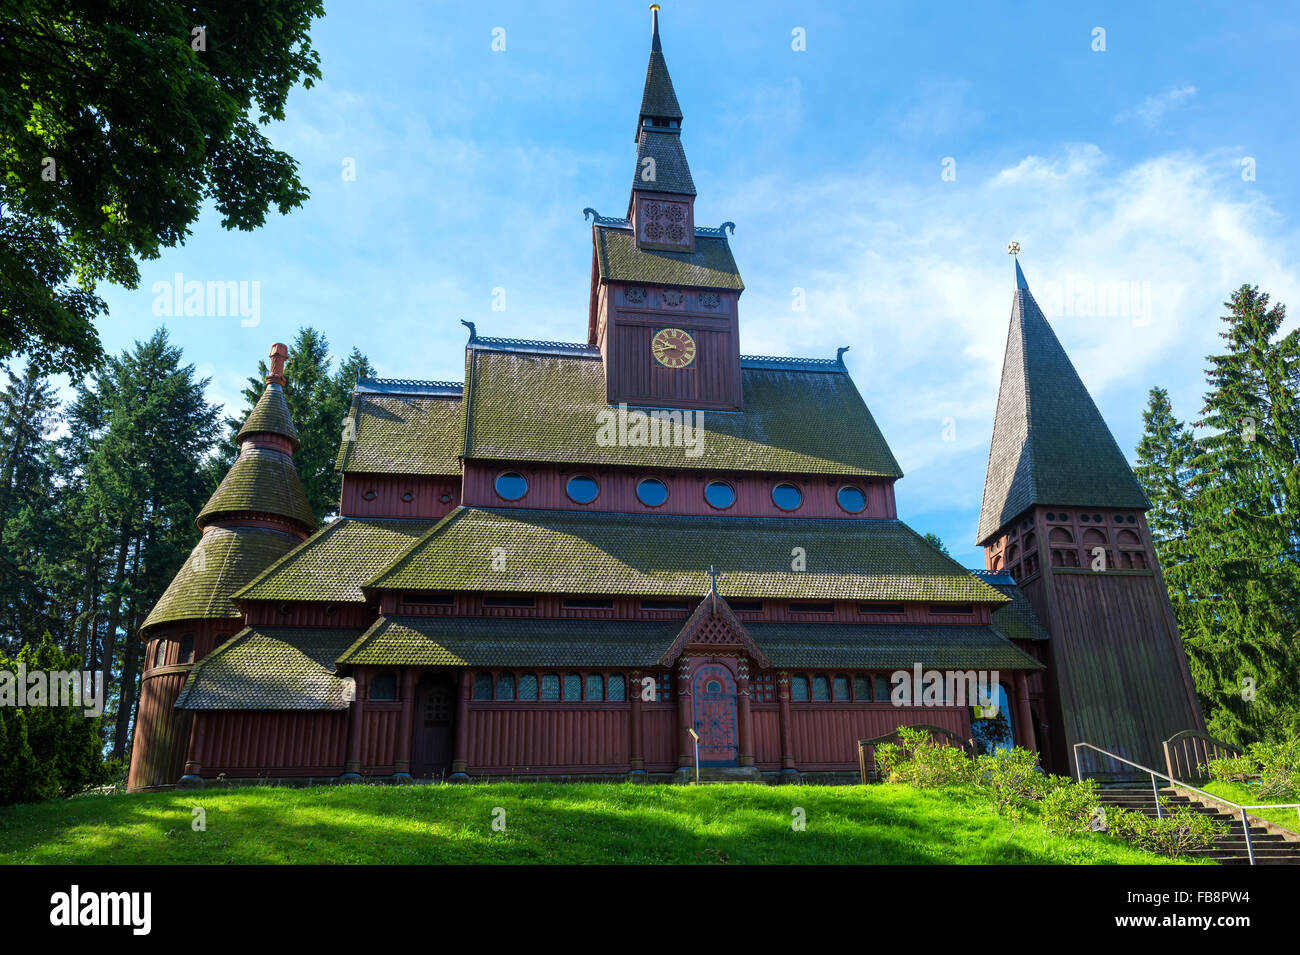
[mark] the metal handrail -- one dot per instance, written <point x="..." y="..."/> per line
<point x="1245" y="826"/>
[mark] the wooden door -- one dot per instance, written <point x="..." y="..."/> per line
<point x="431" y="743"/>
<point x="714" y="691"/>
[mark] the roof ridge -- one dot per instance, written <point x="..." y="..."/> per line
<point x="407" y="386"/>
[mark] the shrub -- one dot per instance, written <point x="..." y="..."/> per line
<point x="1279" y="768"/>
<point x="1178" y="833"/>
<point x="1069" y="808"/>
<point x="1232" y="769"/>
<point x="1275" y="765"/>
<point x="888" y="756"/>
<point x="47" y="751"/>
<point x="919" y="760"/>
<point x="1011" y="779"/>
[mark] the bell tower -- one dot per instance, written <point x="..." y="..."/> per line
<point x="664" y="291"/>
<point x="1064" y="515"/>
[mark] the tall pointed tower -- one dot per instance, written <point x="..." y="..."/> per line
<point x="664" y="292"/>
<point x="1064" y="514"/>
<point x="258" y="513"/>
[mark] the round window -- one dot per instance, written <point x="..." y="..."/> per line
<point x="408" y="497"/>
<point x="369" y="495"/>
<point x="583" y="489"/>
<point x="512" y="485"/>
<point x="652" y="492"/>
<point x="720" y="494"/>
<point x="851" y="498"/>
<point x="787" y="497"/>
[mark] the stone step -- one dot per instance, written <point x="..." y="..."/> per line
<point x="718" y="774"/>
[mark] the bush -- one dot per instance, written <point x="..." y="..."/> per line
<point x="1232" y="769"/>
<point x="47" y="751"/>
<point x="1279" y="768"/>
<point x="1069" y="808"/>
<point x="919" y="760"/>
<point x="1178" y="833"/>
<point x="1275" y="765"/>
<point x="1010" y="778"/>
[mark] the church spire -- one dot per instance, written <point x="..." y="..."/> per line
<point x="1050" y="444"/>
<point x="662" y="204"/>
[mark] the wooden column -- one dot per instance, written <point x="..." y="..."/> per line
<point x="783" y="697"/>
<point x="1024" y="719"/>
<point x="402" y="755"/>
<point x="746" y="721"/>
<point x="194" y="756"/>
<point x="459" y="766"/>
<point x="685" y="715"/>
<point x="635" y="745"/>
<point x="352" y="757"/>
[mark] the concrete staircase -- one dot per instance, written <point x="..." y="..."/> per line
<point x="1229" y="849"/>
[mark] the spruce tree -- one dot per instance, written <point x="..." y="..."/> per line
<point x="1241" y="575"/>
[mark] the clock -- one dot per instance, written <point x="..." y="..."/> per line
<point x="673" y="347"/>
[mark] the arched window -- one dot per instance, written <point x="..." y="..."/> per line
<point x="1126" y="538"/>
<point x="821" y="687"/>
<point x="572" y="686"/>
<point x="550" y="687"/>
<point x="595" y="687"/>
<point x="187" y="649"/>
<point x="528" y="686"/>
<point x="994" y="730"/>
<point x="1093" y="538"/>
<point x="861" y="689"/>
<point x="616" y="688"/>
<point x="160" y="652"/>
<point x="482" y="685"/>
<point x="383" y="686"/>
<point x="506" y="686"/>
<point x="1059" y="535"/>
<point x="798" y="688"/>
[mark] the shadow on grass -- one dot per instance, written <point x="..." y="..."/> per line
<point x="540" y="823"/>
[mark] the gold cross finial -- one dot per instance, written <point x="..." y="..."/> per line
<point x="1013" y="248"/>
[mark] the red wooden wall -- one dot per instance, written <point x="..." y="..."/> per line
<point x="547" y="483"/>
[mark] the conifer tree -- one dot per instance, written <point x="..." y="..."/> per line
<point x="1241" y="577"/>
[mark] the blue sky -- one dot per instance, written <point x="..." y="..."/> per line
<point x="1116" y="170"/>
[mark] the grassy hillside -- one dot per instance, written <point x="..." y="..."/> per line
<point x="1245" y="795"/>
<point x="543" y="823"/>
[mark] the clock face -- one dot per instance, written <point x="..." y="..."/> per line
<point x="673" y="348"/>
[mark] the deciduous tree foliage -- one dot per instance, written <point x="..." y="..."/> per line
<point x="118" y="120"/>
<point x="1226" y="516"/>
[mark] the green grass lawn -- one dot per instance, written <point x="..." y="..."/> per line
<point x="1245" y="795"/>
<point x="555" y="823"/>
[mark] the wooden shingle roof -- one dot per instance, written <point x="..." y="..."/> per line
<point x="668" y="555"/>
<point x="1050" y="444"/>
<point x="710" y="266"/>
<point x="548" y="407"/>
<point x="333" y="563"/>
<point x="223" y="561"/>
<point x="271" y="668"/>
<point x="262" y="480"/>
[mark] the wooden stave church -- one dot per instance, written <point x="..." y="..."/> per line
<point x="438" y="629"/>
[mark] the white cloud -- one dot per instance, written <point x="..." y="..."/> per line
<point x="917" y="280"/>
<point x="1152" y="110"/>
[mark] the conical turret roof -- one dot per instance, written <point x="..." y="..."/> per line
<point x="1051" y="445"/>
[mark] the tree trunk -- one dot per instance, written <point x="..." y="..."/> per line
<point x="126" y="697"/>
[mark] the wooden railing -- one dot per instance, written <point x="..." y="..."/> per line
<point x="1187" y="751"/>
<point x="867" y="769"/>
